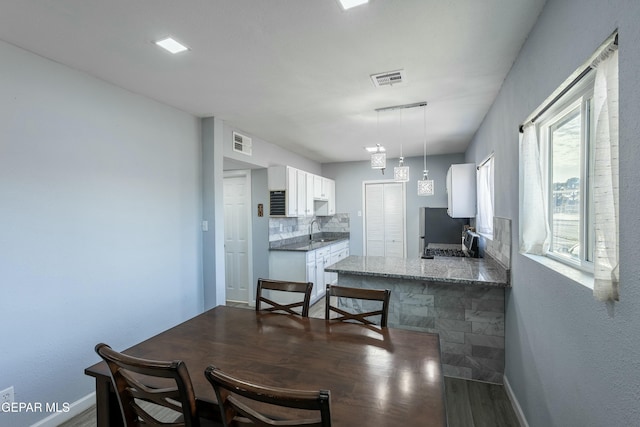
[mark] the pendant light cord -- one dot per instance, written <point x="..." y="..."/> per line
<point x="424" y="123"/>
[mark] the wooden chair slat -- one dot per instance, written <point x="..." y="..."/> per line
<point x="232" y="410"/>
<point x="383" y="296"/>
<point x="303" y="288"/>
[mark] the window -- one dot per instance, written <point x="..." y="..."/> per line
<point x="569" y="178"/>
<point x="484" y="180"/>
<point x="565" y="137"/>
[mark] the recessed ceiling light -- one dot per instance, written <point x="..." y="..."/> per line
<point x="171" y="45"/>
<point x="348" y="4"/>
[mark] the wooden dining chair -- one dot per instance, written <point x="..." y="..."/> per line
<point x="359" y="294"/>
<point x="235" y="412"/>
<point x="279" y="285"/>
<point x="151" y="392"/>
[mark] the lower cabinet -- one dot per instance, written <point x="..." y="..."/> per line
<point x="300" y="266"/>
<point x="323" y="257"/>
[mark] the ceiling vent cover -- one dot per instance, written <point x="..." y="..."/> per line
<point x="241" y="143"/>
<point x="389" y="78"/>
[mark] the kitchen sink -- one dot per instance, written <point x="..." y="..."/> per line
<point x="329" y="239"/>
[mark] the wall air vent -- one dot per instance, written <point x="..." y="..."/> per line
<point x="241" y="143"/>
<point x="389" y="78"/>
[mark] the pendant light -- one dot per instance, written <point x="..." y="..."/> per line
<point x="425" y="185"/>
<point x="378" y="157"/>
<point x="401" y="172"/>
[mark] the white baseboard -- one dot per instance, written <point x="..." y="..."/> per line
<point x="515" y="403"/>
<point x="76" y="408"/>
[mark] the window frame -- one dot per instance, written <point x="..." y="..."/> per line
<point x="581" y="95"/>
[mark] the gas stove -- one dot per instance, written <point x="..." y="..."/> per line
<point x="469" y="248"/>
<point x="430" y="253"/>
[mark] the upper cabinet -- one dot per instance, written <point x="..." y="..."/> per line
<point x="306" y="194"/>
<point x="461" y="190"/>
<point x="284" y="181"/>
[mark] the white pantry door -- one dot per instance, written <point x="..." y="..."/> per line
<point x="237" y="202"/>
<point x="384" y="231"/>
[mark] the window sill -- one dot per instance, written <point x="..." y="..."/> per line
<point x="578" y="276"/>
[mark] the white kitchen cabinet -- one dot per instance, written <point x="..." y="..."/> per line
<point x="339" y="251"/>
<point x="306" y="194"/>
<point x="306" y="266"/>
<point x="322" y="187"/>
<point x="285" y="178"/>
<point x="326" y="205"/>
<point x="461" y="190"/>
<point x="301" y="192"/>
<point x="318" y="187"/>
<point x="323" y="258"/>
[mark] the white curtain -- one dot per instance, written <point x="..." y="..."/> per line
<point x="605" y="182"/>
<point x="534" y="229"/>
<point x="484" y="219"/>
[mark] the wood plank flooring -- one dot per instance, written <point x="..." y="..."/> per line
<point x="469" y="403"/>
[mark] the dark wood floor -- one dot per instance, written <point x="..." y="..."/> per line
<point x="469" y="403"/>
<point x="478" y="404"/>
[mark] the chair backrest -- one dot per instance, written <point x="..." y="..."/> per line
<point x="279" y="285"/>
<point x="227" y="387"/>
<point x="361" y="294"/>
<point x="147" y="388"/>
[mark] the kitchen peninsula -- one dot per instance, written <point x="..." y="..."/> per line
<point x="462" y="299"/>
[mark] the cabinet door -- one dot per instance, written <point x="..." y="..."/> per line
<point x="323" y="256"/>
<point x="301" y="183"/>
<point x="308" y="198"/>
<point x="292" y="191"/>
<point x="311" y="273"/>
<point x="317" y="187"/>
<point x="330" y="193"/>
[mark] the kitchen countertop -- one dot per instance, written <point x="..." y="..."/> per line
<point x="306" y="245"/>
<point x="464" y="271"/>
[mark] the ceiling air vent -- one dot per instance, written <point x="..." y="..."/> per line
<point x="241" y="143"/>
<point x="389" y="78"/>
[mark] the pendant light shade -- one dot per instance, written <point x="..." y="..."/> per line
<point x="378" y="159"/>
<point x="401" y="172"/>
<point x="425" y="185"/>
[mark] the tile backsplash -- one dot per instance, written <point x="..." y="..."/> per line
<point x="500" y="247"/>
<point x="287" y="228"/>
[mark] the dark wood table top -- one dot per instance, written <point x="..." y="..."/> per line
<point x="388" y="378"/>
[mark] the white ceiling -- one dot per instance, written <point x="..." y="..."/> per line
<point x="295" y="72"/>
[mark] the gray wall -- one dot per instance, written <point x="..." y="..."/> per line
<point x="570" y="360"/>
<point x="349" y="177"/>
<point x="100" y="209"/>
<point x="260" y="225"/>
<point x="264" y="154"/>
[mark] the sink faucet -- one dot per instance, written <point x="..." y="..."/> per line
<point x="315" y="221"/>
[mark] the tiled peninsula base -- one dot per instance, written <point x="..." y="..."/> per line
<point x="469" y="319"/>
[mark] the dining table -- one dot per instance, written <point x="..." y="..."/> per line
<point x="375" y="376"/>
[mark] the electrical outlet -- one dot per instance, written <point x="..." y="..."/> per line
<point x="6" y="395"/>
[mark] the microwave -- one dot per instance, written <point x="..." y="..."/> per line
<point x="277" y="203"/>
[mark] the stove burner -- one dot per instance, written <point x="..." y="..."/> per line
<point x="430" y="253"/>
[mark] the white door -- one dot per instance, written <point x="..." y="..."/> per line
<point x="384" y="222"/>
<point x="237" y="244"/>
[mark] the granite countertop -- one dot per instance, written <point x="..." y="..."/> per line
<point x="305" y="245"/>
<point x="464" y="271"/>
